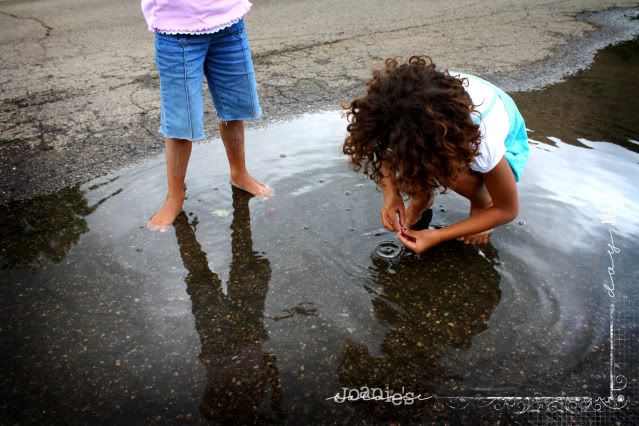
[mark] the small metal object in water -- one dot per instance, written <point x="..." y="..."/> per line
<point x="389" y="250"/>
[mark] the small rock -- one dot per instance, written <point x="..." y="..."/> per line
<point x="306" y="227"/>
<point x="347" y="193"/>
<point x="282" y="155"/>
<point x="521" y="222"/>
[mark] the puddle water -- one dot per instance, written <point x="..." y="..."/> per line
<point x="263" y="314"/>
<point x="388" y="250"/>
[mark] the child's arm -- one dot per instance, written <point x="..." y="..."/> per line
<point x="501" y="186"/>
<point x="393" y="202"/>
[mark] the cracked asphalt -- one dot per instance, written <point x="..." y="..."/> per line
<point x="80" y="94"/>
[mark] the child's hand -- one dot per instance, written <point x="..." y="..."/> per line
<point x="423" y="240"/>
<point x="393" y="212"/>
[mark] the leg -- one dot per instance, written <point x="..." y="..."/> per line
<point x="231" y="80"/>
<point x="232" y="133"/>
<point x="178" y="152"/>
<point x="179" y="60"/>
<point x="471" y="186"/>
<point x="418" y="203"/>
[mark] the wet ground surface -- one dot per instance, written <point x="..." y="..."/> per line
<point x="251" y="310"/>
<point x="79" y="93"/>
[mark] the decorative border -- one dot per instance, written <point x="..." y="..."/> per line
<point x="559" y="405"/>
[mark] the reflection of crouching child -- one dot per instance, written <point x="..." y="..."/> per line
<point x="418" y="129"/>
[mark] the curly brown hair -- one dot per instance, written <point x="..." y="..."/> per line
<point x="417" y="120"/>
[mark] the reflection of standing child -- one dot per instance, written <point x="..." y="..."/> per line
<point x="418" y="129"/>
<point x="243" y="382"/>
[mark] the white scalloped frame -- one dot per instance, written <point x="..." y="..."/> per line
<point x="568" y="405"/>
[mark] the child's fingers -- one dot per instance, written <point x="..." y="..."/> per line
<point x="394" y="220"/>
<point x="385" y="221"/>
<point x="412" y="245"/>
<point x="401" y="215"/>
<point x="410" y="233"/>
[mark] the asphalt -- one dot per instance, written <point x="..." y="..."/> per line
<point x="79" y="90"/>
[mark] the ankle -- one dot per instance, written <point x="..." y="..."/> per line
<point x="176" y="195"/>
<point x="239" y="175"/>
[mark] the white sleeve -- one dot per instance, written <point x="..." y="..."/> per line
<point x="494" y="130"/>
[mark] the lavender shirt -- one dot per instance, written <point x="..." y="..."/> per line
<point x="193" y="16"/>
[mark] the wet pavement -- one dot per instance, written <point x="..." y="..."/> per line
<point x="264" y="314"/>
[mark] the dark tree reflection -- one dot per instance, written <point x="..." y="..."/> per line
<point x="45" y="226"/>
<point x="243" y="385"/>
<point x="588" y="104"/>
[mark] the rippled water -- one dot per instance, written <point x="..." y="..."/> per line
<point x="266" y="313"/>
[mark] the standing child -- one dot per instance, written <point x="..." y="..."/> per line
<point x="418" y="129"/>
<point x="194" y="39"/>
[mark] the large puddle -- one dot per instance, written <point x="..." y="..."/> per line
<point x="259" y="311"/>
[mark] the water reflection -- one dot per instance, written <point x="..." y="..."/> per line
<point x="44" y="226"/>
<point x="598" y="104"/>
<point x="243" y="385"/>
<point x="107" y="332"/>
<point x="431" y="303"/>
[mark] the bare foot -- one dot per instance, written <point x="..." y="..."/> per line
<point x="480" y="237"/>
<point x="249" y="184"/>
<point x="164" y="218"/>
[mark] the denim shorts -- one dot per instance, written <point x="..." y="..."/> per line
<point x="183" y="60"/>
